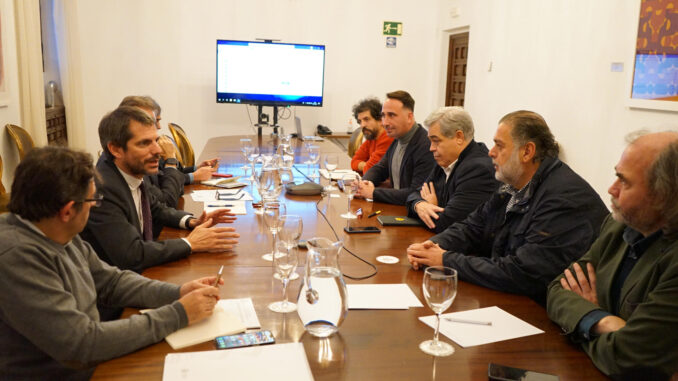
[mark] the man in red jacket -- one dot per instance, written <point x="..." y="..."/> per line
<point x="368" y="113"/>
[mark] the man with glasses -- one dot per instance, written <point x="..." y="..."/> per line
<point x="52" y="280"/>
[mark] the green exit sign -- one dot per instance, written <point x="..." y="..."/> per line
<point x="392" y="28"/>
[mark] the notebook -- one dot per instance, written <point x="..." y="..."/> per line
<point x="399" y="220"/>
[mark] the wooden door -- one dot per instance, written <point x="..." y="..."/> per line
<point x="456" y="70"/>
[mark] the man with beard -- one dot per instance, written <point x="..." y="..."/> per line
<point x="619" y="301"/>
<point x="121" y="230"/>
<point x="368" y="115"/>
<point x="542" y="218"/>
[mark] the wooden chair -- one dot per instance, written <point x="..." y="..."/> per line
<point x="355" y="141"/>
<point x="4" y="196"/>
<point x="186" y="157"/>
<point x="22" y="139"/>
<point x="168" y="138"/>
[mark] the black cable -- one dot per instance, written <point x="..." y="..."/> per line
<point x="317" y="208"/>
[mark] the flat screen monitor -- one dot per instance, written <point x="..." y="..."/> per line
<point x="270" y="74"/>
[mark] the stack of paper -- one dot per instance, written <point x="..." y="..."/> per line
<point x="268" y="362"/>
<point x="236" y="207"/>
<point x="472" y="328"/>
<point x="381" y="297"/>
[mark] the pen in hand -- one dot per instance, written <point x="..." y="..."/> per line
<point x="216" y="281"/>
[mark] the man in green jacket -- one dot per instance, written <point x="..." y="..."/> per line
<point x="620" y="300"/>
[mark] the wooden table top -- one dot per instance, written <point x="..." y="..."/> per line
<point x="370" y="344"/>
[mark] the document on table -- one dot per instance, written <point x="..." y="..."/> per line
<point x="219" y="324"/>
<point x="337" y="174"/>
<point x="468" y="334"/>
<point x="243" y="309"/>
<point x="207" y="195"/>
<point x="237" y="207"/>
<point x="381" y="297"/>
<point x="265" y="362"/>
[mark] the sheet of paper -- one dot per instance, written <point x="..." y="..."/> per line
<point x="381" y="297"/>
<point x="237" y="207"/>
<point x="337" y="174"/>
<point x="219" y="324"/>
<point x="204" y="195"/>
<point x="265" y="362"/>
<point x="243" y="309"/>
<point x="504" y="326"/>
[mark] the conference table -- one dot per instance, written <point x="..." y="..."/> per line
<point x="370" y="344"/>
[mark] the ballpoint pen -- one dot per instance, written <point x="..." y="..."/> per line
<point x="219" y="206"/>
<point x="469" y="321"/>
<point x="216" y="281"/>
<point x="374" y="214"/>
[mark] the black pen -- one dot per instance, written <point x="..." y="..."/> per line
<point x="216" y="281"/>
<point x="374" y="214"/>
<point x="219" y="206"/>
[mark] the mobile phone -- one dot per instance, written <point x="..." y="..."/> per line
<point x="361" y="229"/>
<point x="496" y="372"/>
<point x="244" y="339"/>
<point x="224" y="175"/>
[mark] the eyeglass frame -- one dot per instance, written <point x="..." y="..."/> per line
<point x="98" y="198"/>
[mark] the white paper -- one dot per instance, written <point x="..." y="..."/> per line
<point x="208" y="195"/>
<point x="204" y="195"/>
<point x="337" y="174"/>
<point x="243" y="309"/>
<point x="237" y="207"/>
<point x="381" y="297"/>
<point x="504" y="326"/>
<point x="219" y="324"/>
<point x="266" y="362"/>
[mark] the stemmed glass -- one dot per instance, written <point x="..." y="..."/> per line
<point x="272" y="211"/>
<point x="252" y="155"/>
<point x="330" y="165"/>
<point x="284" y="261"/>
<point x="351" y="181"/>
<point x="291" y="227"/>
<point x="262" y="188"/>
<point x="245" y="148"/>
<point x="440" y="288"/>
<point x="314" y="158"/>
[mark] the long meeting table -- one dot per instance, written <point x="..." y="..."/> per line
<point x="370" y="344"/>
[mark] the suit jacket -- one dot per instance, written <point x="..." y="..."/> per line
<point x="417" y="163"/>
<point x="521" y="250"/>
<point x="648" y="344"/>
<point x="470" y="184"/>
<point x="167" y="186"/>
<point x="113" y="229"/>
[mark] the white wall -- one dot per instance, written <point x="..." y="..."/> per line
<point x="166" y="49"/>
<point x="12" y="112"/>
<point x="554" y="57"/>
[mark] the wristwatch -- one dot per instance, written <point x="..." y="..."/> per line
<point x="172" y="161"/>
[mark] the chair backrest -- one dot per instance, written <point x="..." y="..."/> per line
<point x="187" y="158"/>
<point x="2" y="187"/>
<point x="176" y="149"/>
<point x="4" y="196"/>
<point x="23" y="140"/>
<point x="355" y="141"/>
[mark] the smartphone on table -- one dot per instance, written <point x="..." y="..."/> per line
<point x="361" y="229"/>
<point x="244" y="340"/>
<point x="496" y="372"/>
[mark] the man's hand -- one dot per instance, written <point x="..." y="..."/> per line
<point x="365" y="189"/>
<point x="428" y="193"/>
<point x="209" y="163"/>
<point x="200" y="303"/>
<point x="206" y="238"/>
<point x="586" y="288"/>
<point x="608" y="324"/>
<point x="196" y="284"/>
<point x="203" y="173"/>
<point x="427" y="212"/>
<point x="168" y="148"/>
<point x="219" y="216"/>
<point x="361" y="165"/>
<point x="426" y="253"/>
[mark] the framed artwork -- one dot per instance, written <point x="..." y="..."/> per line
<point x="654" y="82"/>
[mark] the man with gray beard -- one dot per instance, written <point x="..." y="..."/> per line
<point x="542" y="218"/>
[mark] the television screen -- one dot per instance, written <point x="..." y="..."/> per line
<point x="270" y="74"/>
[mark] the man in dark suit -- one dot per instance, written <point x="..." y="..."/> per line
<point x="542" y="218"/>
<point x="464" y="176"/>
<point x="120" y="231"/>
<point x="407" y="161"/>
<point x="620" y="300"/>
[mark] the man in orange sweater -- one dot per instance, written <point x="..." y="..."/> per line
<point x="368" y="113"/>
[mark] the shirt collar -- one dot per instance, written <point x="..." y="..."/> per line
<point x="448" y="170"/>
<point x="131" y="181"/>
<point x="408" y="136"/>
<point x="637" y="241"/>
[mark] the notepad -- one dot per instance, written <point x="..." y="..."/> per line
<point x="219" y="324"/>
<point x="236" y="207"/>
<point x="381" y="297"/>
<point x="224" y="183"/>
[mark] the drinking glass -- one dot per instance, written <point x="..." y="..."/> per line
<point x="272" y="210"/>
<point x="440" y="288"/>
<point x="351" y="181"/>
<point x="291" y="227"/>
<point x="257" y="172"/>
<point x="285" y="262"/>
<point x="246" y="147"/>
<point x="252" y="155"/>
<point x="314" y="158"/>
<point x="330" y="165"/>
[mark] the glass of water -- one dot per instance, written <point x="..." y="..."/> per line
<point x="272" y="211"/>
<point x="314" y="158"/>
<point x="331" y="163"/>
<point x="285" y="262"/>
<point x="350" y="181"/>
<point x="440" y="288"/>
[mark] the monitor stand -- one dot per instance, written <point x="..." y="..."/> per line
<point x="262" y="120"/>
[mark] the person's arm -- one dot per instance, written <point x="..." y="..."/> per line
<point x="380" y="171"/>
<point x="380" y="149"/>
<point x="51" y="305"/>
<point x="167" y="186"/>
<point x="361" y="155"/>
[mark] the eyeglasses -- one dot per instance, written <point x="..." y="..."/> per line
<point x="96" y="200"/>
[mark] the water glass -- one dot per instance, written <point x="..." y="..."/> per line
<point x="272" y="211"/>
<point x="440" y="288"/>
<point x="285" y="262"/>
